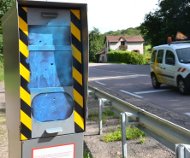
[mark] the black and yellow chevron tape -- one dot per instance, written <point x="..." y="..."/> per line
<point x="25" y="98"/>
<point x="78" y="81"/>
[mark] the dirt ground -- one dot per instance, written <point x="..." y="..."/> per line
<point x="98" y="149"/>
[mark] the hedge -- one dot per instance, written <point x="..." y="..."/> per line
<point x="125" y="57"/>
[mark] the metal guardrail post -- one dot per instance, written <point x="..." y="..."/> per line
<point x="102" y="102"/>
<point x="162" y="130"/>
<point x="100" y="115"/>
<point x="124" y="119"/>
<point x="124" y="123"/>
<point x="90" y="93"/>
<point x="187" y="152"/>
<point x="182" y="151"/>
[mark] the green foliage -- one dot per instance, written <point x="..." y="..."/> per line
<point x="96" y="44"/>
<point x="126" y="57"/>
<point x="106" y="114"/>
<point x="4" y="6"/>
<point x="131" y="133"/>
<point x="142" y="139"/>
<point x="134" y="133"/>
<point x="93" y="116"/>
<point x="87" y="154"/>
<point x="171" y="17"/>
<point x="111" y="137"/>
<point x="147" y="53"/>
<point x="128" y="32"/>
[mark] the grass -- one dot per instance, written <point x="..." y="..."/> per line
<point x="131" y="133"/>
<point x="107" y="114"/>
<point x="87" y="154"/>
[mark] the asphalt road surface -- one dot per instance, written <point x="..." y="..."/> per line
<point x="133" y="83"/>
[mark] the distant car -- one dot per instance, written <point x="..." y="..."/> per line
<point x="170" y="64"/>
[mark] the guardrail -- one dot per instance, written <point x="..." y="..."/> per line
<point x="162" y="130"/>
<point x="182" y="151"/>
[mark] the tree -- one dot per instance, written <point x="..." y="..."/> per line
<point x="171" y="17"/>
<point x="96" y="43"/>
<point x="4" y="6"/>
<point x="127" y="32"/>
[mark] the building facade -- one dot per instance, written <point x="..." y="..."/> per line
<point x="132" y="43"/>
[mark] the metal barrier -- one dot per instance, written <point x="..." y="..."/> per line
<point x="124" y="123"/>
<point x="162" y="130"/>
<point x="182" y="151"/>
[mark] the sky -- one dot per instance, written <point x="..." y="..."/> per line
<point x="112" y="15"/>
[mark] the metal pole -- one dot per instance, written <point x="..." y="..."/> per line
<point x="187" y="151"/>
<point x="90" y="93"/>
<point x="124" y="119"/>
<point x="180" y="151"/>
<point x="100" y="115"/>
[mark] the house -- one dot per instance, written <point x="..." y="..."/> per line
<point x="129" y="43"/>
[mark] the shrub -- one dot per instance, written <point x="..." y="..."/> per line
<point x="107" y="114"/>
<point x="131" y="133"/>
<point x="126" y="57"/>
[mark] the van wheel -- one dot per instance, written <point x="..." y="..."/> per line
<point x="182" y="86"/>
<point x="155" y="82"/>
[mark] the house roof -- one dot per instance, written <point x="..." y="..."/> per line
<point x="127" y="38"/>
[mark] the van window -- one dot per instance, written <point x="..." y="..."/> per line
<point x="170" y="58"/>
<point x="160" y="56"/>
<point x="183" y="55"/>
<point x="153" y="56"/>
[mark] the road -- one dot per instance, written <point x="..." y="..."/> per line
<point x="133" y="83"/>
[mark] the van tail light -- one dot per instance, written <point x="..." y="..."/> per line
<point x="181" y="69"/>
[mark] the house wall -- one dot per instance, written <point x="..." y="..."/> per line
<point x="135" y="46"/>
<point x="114" y="46"/>
<point x="130" y="46"/>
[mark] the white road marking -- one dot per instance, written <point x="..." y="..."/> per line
<point x="152" y="91"/>
<point x="137" y="96"/>
<point x="117" y="77"/>
<point x="187" y="113"/>
<point x="100" y="83"/>
<point x="114" y="72"/>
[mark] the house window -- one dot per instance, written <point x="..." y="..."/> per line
<point x="122" y="43"/>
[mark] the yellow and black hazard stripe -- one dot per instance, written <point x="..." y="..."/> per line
<point x="25" y="97"/>
<point x="78" y="73"/>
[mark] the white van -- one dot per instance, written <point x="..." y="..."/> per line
<point x="170" y="64"/>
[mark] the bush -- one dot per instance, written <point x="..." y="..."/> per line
<point x="131" y="133"/>
<point x="126" y="57"/>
